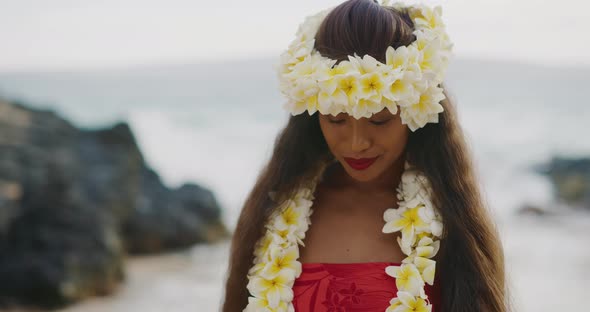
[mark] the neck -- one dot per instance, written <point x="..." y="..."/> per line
<point x="387" y="181"/>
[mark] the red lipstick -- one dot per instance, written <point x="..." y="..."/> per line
<point x="360" y="163"/>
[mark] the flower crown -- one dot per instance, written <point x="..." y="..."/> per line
<point x="361" y="86"/>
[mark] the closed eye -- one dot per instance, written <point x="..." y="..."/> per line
<point x="380" y="122"/>
<point x="336" y="121"/>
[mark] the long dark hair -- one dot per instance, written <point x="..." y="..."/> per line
<point x="471" y="259"/>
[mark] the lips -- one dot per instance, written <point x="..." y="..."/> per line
<point x="360" y="163"/>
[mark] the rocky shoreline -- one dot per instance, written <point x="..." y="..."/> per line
<point x="570" y="183"/>
<point x="74" y="203"/>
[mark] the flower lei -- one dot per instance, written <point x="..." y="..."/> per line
<point x="363" y="86"/>
<point x="275" y="266"/>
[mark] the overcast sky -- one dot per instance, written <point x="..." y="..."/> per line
<point x="78" y="34"/>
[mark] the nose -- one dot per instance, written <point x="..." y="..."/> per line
<point x="360" y="138"/>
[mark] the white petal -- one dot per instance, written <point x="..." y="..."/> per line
<point x="428" y="274"/>
<point x="392" y="270"/>
<point x="436" y="227"/>
<point x="390" y="214"/>
<point x="390" y="227"/>
<point x="436" y="246"/>
<point x="406" y="298"/>
<point x="273" y="296"/>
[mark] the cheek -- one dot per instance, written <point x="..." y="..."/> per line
<point x="393" y="140"/>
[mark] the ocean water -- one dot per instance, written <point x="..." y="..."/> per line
<point x="215" y="124"/>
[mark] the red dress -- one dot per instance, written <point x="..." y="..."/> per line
<point x="346" y="287"/>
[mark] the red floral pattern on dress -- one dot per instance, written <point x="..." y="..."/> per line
<point x="352" y="294"/>
<point x="349" y="287"/>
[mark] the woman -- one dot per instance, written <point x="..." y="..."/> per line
<point x="377" y="116"/>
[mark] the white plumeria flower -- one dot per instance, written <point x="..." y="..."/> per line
<point x="436" y="226"/>
<point x="332" y="99"/>
<point x="394" y="303"/>
<point x="366" y="64"/>
<point x="304" y="198"/>
<point x="304" y="212"/>
<point x="406" y="246"/>
<point x="420" y="257"/>
<point x="332" y="103"/>
<point x="372" y="85"/>
<point x="309" y="27"/>
<point x="292" y="214"/>
<point x="285" y="237"/>
<point x="351" y="87"/>
<point x="410" y="187"/>
<point x="282" y="259"/>
<point x="400" y="91"/>
<point x="297" y="51"/>
<point x="302" y="97"/>
<point x="429" y="215"/>
<point x="345" y="67"/>
<point x="392" y="214"/>
<point x="408" y="303"/>
<point x="413" y="71"/>
<point x="288" y="216"/>
<point x="390" y="105"/>
<point x="257" y="305"/>
<point x="264" y="243"/>
<point x="426" y="267"/>
<point x="416" y="114"/>
<point x="419" y="199"/>
<point x="323" y="67"/>
<point x="430" y="18"/>
<point x="273" y="290"/>
<point x="430" y="61"/>
<point x="427" y="247"/>
<point x="262" y="305"/>
<point x="397" y="4"/>
<point x="397" y="59"/>
<point x="365" y="107"/>
<point x="302" y="65"/>
<point x="407" y="278"/>
<point x="408" y="221"/>
<point x="312" y="67"/>
<point x="255" y="270"/>
<point x="414" y="186"/>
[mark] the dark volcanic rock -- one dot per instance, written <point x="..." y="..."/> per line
<point x="173" y="219"/>
<point x="570" y="178"/>
<point x="72" y="201"/>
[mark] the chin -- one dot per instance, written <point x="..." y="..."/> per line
<point x="362" y="179"/>
<point x="362" y="175"/>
